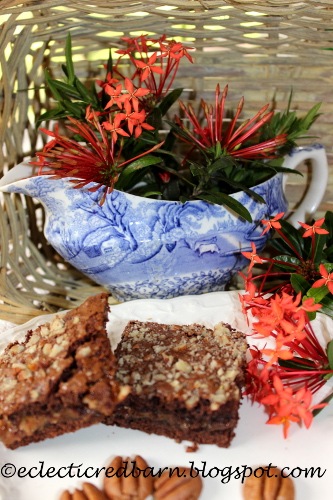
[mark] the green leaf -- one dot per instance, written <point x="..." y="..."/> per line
<point x="109" y="66"/>
<point x="248" y="191"/>
<point x="329" y="252"/>
<point x="95" y="98"/>
<point x="74" y="109"/>
<point x="329" y="227"/>
<point x="53" y="89"/>
<point x="197" y="169"/>
<point x="224" y="199"/>
<point x="155" y="120"/>
<point x="289" y="259"/>
<point x="327" y="306"/>
<point x="328" y="266"/>
<point x="311" y="116"/>
<point x="281" y="246"/>
<point x="169" y="100"/>
<point x="296" y="363"/>
<point x="294" y="236"/>
<point x="311" y="315"/>
<point x="48" y="115"/>
<point x="318" y="293"/>
<point x="69" y="60"/>
<point x="84" y="92"/>
<point x="326" y="400"/>
<point x="277" y="162"/>
<point x="221" y="163"/>
<point x="319" y="244"/>
<point x="169" y="142"/>
<point x="151" y="193"/>
<point x="130" y="169"/>
<point x="67" y="89"/>
<point x="64" y="68"/>
<point x="289" y="101"/>
<point x="285" y="170"/>
<point x="143" y="162"/>
<point x="329" y="352"/>
<point x="299" y="283"/>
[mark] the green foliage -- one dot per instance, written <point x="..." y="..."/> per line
<point x="288" y="123"/>
<point x="210" y="174"/>
<point x="306" y="255"/>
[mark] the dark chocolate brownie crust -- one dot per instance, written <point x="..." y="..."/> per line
<point x="185" y="381"/>
<point x="60" y="378"/>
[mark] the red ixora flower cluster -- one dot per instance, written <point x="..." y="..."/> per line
<point x="129" y="104"/>
<point x="284" y="375"/>
<point x="152" y="57"/>
<point x="232" y="139"/>
<point x="156" y="67"/>
<point x="124" y="109"/>
<point x="100" y="162"/>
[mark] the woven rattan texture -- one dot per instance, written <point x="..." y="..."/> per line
<point x="261" y="49"/>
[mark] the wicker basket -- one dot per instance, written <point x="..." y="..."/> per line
<point x="261" y="49"/>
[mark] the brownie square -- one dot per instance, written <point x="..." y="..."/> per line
<point x="60" y="378"/>
<point x="185" y="381"/>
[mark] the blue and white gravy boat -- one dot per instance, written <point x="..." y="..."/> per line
<point x="145" y="248"/>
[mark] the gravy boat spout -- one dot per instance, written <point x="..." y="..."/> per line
<point x="23" y="179"/>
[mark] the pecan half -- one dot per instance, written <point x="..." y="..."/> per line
<point x="184" y="487"/>
<point x="65" y="495"/>
<point x="127" y="480"/>
<point x="275" y="487"/>
<point x="90" y="492"/>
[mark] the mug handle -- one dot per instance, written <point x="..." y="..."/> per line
<point x="317" y="188"/>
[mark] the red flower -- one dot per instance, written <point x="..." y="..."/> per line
<point x="285" y="421"/>
<point x="139" y="51"/>
<point x="175" y="50"/>
<point x="327" y="279"/>
<point x="96" y="163"/>
<point x="108" y="81"/>
<point x="231" y="140"/>
<point x="91" y="114"/>
<point x="165" y="176"/>
<point x="309" y="305"/>
<point x="272" y="223"/>
<point x="275" y="354"/>
<point x="114" y="93"/>
<point x="301" y="406"/>
<point x="252" y="256"/>
<point x="171" y="49"/>
<point x="115" y="127"/>
<point x="293" y="330"/>
<point x="141" y="123"/>
<point x="315" y="228"/>
<point x="132" y="92"/>
<point x="147" y="67"/>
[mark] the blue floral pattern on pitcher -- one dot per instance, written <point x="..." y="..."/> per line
<point x="139" y="248"/>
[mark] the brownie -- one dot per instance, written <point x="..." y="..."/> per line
<point x="185" y="381"/>
<point x="60" y="378"/>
